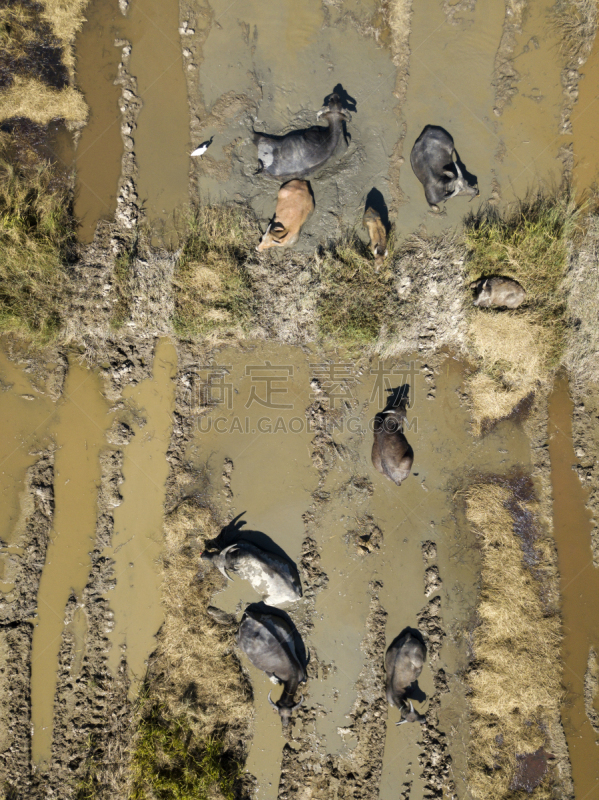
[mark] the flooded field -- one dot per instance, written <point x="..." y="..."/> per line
<point x="273" y="441"/>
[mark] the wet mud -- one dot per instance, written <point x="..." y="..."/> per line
<point x="251" y="69"/>
<point x="584" y="125"/>
<point x="99" y="146"/>
<point x="579" y="590"/>
<point x="315" y="494"/>
<point x="137" y="539"/>
<point x="78" y="430"/>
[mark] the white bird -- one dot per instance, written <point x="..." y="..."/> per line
<point x="199" y="151"/>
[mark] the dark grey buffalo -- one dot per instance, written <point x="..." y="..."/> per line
<point x="392" y="455"/>
<point x="275" y="578"/>
<point x="268" y="642"/>
<point x="435" y="164"/>
<point x="300" y="153"/>
<point x="403" y="663"/>
<point x="498" y="292"/>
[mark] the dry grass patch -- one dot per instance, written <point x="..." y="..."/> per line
<point x="213" y="289"/>
<point x="34" y="100"/>
<point x="194" y="723"/>
<point x="36" y="231"/>
<point x="518" y="350"/>
<point x="66" y="18"/>
<point x="515" y="678"/>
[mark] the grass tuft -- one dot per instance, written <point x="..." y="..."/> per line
<point x="213" y="290"/>
<point x="518" y="350"/>
<point x="36" y="231"/>
<point x="121" y="274"/>
<point x="355" y="301"/>
<point x="168" y="762"/>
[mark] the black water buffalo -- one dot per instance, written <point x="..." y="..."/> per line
<point x="299" y="153"/>
<point x="269" y="643"/>
<point x="392" y="455"/>
<point x="403" y="663"/>
<point x="435" y="164"/>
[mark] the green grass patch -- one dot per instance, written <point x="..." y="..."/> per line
<point x="168" y="764"/>
<point x="355" y="301"/>
<point x="212" y="287"/>
<point x="36" y="231"/>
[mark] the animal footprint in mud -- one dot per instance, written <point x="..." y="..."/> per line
<point x="274" y="577"/>
<point x="432" y="581"/>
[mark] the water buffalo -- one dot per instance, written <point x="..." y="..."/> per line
<point x="268" y="642"/>
<point x="403" y="663"/>
<point x="497" y="291"/>
<point x="294" y="206"/>
<point x="434" y="161"/>
<point x="378" y="236"/>
<point x="299" y="153"/>
<point x="392" y="456"/>
<point x="275" y="578"/>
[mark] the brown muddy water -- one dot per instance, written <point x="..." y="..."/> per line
<point x="584" y="124"/>
<point x="161" y="142"/>
<point x="137" y="540"/>
<point x="98" y="153"/>
<point x="78" y="428"/>
<point x="579" y="588"/>
<point x="270" y="478"/>
<point x="26" y="413"/>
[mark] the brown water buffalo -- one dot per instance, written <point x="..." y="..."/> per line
<point x="392" y="455"/>
<point x="498" y="292"/>
<point x="403" y="663"/>
<point x="294" y="206"/>
<point x="378" y="236"/>
<point x="298" y="153"/>
<point x="434" y="161"/>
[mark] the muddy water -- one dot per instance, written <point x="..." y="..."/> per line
<point x="444" y="58"/>
<point x="528" y="128"/>
<point x="579" y="588"/>
<point x="161" y="139"/>
<point x="162" y="136"/>
<point x="98" y="154"/>
<point x="137" y="536"/>
<point x="79" y="430"/>
<point x="271" y="482"/>
<point x="26" y="414"/>
<point x="271" y="479"/>
<point x="584" y="124"/>
<point x="281" y="67"/>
